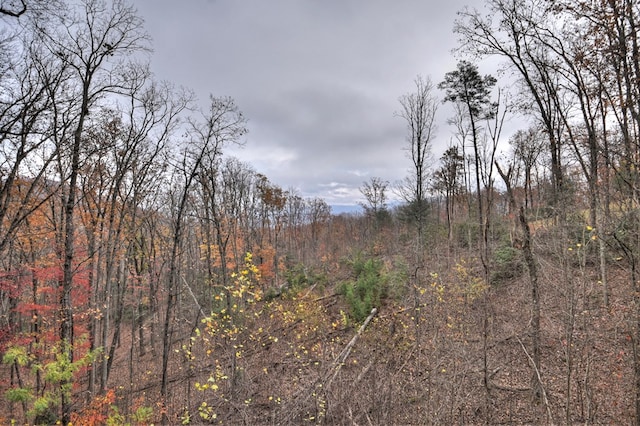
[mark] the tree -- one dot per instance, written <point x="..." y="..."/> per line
<point x="461" y="133"/>
<point x="375" y="194"/>
<point x="225" y="187"/>
<point x="318" y="214"/>
<point x="418" y="109"/>
<point x="295" y="210"/>
<point x="32" y="79"/>
<point x="273" y="217"/>
<point x="467" y="87"/>
<point x="527" y="145"/>
<point x="448" y="180"/>
<point x="221" y="124"/>
<point x="86" y="40"/>
<point x="514" y="37"/>
<point x="525" y="240"/>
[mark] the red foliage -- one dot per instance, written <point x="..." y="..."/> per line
<point x="27" y="308"/>
<point x="96" y="412"/>
<point x="12" y="281"/>
<point x="48" y="273"/>
<point x="81" y="287"/>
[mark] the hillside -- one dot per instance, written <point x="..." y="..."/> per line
<point x="441" y="348"/>
<point x="149" y="277"/>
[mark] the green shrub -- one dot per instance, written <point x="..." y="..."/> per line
<point x="142" y="415"/>
<point x="506" y="264"/>
<point x="57" y="372"/>
<point x="366" y="290"/>
<point x="299" y="277"/>
<point x="499" y="231"/>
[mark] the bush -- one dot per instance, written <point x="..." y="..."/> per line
<point x="299" y="277"/>
<point x="367" y="289"/>
<point x="506" y="264"/>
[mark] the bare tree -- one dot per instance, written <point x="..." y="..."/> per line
<point x="222" y="124"/>
<point x="525" y="244"/>
<point x="527" y="146"/>
<point x="93" y="41"/>
<point x="26" y="151"/>
<point x="418" y="109"/>
<point x="375" y="194"/>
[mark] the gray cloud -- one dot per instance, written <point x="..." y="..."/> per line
<point x="319" y="81"/>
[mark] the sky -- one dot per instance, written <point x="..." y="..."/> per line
<point x="318" y="80"/>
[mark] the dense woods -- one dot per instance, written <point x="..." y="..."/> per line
<point x="148" y="277"/>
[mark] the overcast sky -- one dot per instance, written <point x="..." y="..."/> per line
<point x="318" y="80"/>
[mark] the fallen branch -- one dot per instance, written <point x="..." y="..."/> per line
<point x="363" y="372"/>
<point x="495" y="385"/>
<point x="339" y="361"/>
<point x="539" y="378"/>
<point x="195" y="299"/>
<point x="325" y="381"/>
<point x="325" y="297"/>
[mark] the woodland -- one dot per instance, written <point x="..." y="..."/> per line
<point x="148" y="278"/>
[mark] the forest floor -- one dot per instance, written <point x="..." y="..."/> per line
<point x="443" y="355"/>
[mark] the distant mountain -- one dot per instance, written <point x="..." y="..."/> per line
<point x="345" y="208"/>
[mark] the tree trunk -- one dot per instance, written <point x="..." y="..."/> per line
<point x="525" y="236"/>
<point x="66" y="284"/>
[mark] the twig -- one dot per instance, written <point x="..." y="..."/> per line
<point x="390" y="314"/>
<point x="509" y="388"/>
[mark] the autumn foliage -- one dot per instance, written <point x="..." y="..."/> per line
<point x="146" y="277"/>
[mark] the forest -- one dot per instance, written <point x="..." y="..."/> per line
<point x="146" y="277"/>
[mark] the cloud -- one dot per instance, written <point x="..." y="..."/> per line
<point x="319" y="81"/>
